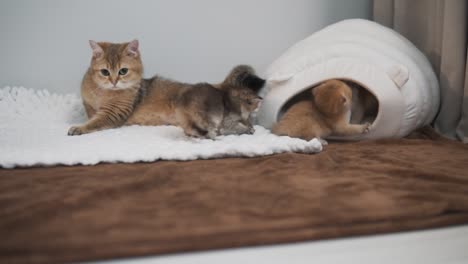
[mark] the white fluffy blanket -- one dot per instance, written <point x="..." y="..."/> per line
<point x="34" y="125"/>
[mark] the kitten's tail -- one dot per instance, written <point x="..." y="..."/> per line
<point x="244" y="75"/>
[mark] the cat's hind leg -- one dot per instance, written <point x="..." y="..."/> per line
<point x="215" y="124"/>
<point x="198" y="124"/>
<point x="207" y="122"/>
<point x="190" y="128"/>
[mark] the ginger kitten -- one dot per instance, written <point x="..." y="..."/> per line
<point x="326" y="113"/>
<point x="115" y="94"/>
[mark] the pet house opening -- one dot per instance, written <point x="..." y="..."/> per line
<point x="364" y="106"/>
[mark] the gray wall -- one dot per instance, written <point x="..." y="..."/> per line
<point x="44" y="44"/>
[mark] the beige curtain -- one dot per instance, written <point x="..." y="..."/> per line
<point x="439" y="29"/>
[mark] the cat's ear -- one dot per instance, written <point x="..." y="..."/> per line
<point x="97" y="50"/>
<point x="315" y="91"/>
<point x="132" y="48"/>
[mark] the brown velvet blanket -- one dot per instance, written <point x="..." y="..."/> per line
<point x="64" y="214"/>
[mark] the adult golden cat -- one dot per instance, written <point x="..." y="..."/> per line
<point x="114" y="93"/>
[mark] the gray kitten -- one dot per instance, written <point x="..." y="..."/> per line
<point x="238" y="120"/>
<point x="205" y="111"/>
<point x="241" y="87"/>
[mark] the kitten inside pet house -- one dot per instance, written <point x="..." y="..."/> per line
<point x="325" y="111"/>
<point x="114" y="94"/>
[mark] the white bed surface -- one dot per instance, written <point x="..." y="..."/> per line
<point x="444" y="245"/>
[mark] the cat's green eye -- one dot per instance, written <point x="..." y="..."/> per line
<point x="105" y="72"/>
<point x="123" y="71"/>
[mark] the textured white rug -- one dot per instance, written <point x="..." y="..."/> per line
<point x="34" y="125"/>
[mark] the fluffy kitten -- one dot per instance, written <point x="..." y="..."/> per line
<point x="115" y="94"/>
<point x="244" y="101"/>
<point x="326" y="113"/>
<point x="205" y="111"/>
<point x="237" y="120"/>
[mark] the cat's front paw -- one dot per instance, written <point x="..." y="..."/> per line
<point x="250" y="130"/>
<point x="212" y="134"/>
<point x="75" y="131"/>
<point x="366" y="128"/>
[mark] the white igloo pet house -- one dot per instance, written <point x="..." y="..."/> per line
<point x="366" y="53"/>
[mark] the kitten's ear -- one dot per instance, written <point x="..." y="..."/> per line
<point x="132" y="48"/>
<point x="315" y="91"/>
<point x="97" y="50"/>
<point x="320" y="89"/>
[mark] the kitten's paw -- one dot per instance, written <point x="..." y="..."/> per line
<point x="250" y="130"/>
<point x="322" y="141"/>
<point x="367" y="127"/>
<point x="75" y="131"/>
<point x="212" y="134"/>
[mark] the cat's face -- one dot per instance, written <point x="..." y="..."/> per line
<point x="333" y="97"/>
<point x="249" y="101"/>
<point x="116" y="66"/>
